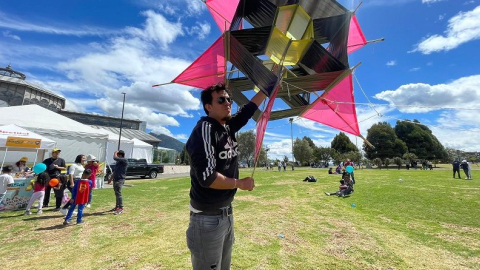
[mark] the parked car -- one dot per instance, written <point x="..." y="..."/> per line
<point x="139" y="167"/>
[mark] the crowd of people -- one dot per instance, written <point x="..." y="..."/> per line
<point x="80" y="180"/>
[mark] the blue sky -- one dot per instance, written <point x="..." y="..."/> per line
<point x="90" y="51"/>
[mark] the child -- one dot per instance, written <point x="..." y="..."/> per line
<point x="59" y="191"/>
<point x="80" y="194"/>
<point x="38" y="192"/>
<point x="339" y="193"/>
<point x="6" y="180"/>
<point x="92" y="164"/>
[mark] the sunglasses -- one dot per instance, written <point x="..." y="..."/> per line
<point x="222" y="100"/>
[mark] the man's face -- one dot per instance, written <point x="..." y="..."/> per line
<point x="56" y="154"/>
<point x="221" y="108"/>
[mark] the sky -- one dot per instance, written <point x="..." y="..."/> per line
<point x="91" y="52"/>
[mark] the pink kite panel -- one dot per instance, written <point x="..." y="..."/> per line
<point x="262" y="123"/>
<point x="343" y="115"/>
<point x="356" y="39"/>
<point x="223" y="12"/>
<point x="207" y="70"/>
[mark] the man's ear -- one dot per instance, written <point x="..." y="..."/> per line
<point x="208" y="107"/>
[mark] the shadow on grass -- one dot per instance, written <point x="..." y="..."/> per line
<point x="61" y="226"/>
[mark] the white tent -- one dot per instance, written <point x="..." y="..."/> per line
<point x="16" y="142"/>
<point x="142" y="149"/>
<point x="112" y="145"/>
<point x="72" y="137"/>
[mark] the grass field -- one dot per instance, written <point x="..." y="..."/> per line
<point x="426" y="221"/>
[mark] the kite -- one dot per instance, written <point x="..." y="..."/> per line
<point x="295" y="51"/>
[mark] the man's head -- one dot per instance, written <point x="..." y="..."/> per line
<point x="86" y="174"/>
<point x="342" y="182"/>
<point x="217" y="103"/>
<point x="121" y="153"/>
<point x="56" y="152"/>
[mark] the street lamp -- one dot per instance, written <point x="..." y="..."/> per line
<point x="291" y="133"/>
<point x="121" y="122"/>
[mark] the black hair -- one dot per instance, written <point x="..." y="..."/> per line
<point x="62" y="178"/>
<point x="206" y="95"/>
<point x="120" y="152"/>
<point x="87" y="173"/>
<point x="78" y="159"/>
<point x="43" y="178"/>
<point x="342" y="181"/>
<point x="7" y="169"/>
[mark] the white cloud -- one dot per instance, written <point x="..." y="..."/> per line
<point x="415" y="69"/>
<point x="461" y="93"/>
<point x="9" y="22"/>
<point x="430" y="1"/>
<point x="442" y="16"/>
<point x="200" y="29"/>
<point x="157" y="28"/>
<point x="462" y="28"/>
<point x="392" y="63"/>
<point x="8" y="35"/>
<point x="469" y="2"/>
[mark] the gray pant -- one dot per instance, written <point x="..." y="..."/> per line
<point x="210" y="240"/>
<point x="117" y="187"/>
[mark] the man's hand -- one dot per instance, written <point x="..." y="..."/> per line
<point x="246" y="183"/>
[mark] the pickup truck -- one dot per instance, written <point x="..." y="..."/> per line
<point x="139" y="167"/>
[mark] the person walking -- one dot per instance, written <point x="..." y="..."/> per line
<point x="467" y="169"/>
<point x="213" y="151"/>
<point x="80" y="194"/>
<point x="38" y="192"/>
<point x="55" y="165"/>
<point x="456" y="168"/>
<point x="75" y="172"/>
<point x="119" y="176"/>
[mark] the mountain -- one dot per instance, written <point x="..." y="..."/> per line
<point x="169" y="142"/>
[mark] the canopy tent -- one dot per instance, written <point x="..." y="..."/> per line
<point x="15" y="141"/>
<point x="72" y="137"/>
<point x="142" y="149"/>
<point x="112" y="145"/>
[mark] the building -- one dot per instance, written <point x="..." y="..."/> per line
<point x="102" y="120"/>
<point x="16" y="91"/>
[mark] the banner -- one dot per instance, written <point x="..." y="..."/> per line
<point x="23" y="142"/>
<point x="18" y="195"/>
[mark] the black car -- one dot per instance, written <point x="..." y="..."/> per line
<point x="139" y="167"/>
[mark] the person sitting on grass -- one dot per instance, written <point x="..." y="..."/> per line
<point x="341" y="188"/>
<point x="80" y="194"/>
<point x="346" y="187"/>
<point x="330" y="171"/>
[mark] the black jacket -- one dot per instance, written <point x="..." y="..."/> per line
<point x="213" y="149"/>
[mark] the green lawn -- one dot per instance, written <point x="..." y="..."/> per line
<point x="426" y="221"/>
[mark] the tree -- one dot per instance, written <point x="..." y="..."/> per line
<point x="420" y="140"/>
<point x="246" y="146"/>
<point x="378" y="162"/>
<point x="342" y="144"/>
<point x="323" y="154"/>
<point x="409" y="157"/>
<point x="387" y="162"/>
<point x="398" y="161"/>
<point x="184" y="156"/>
<point x="302" y="151"/>
<point x="386" y="144"/>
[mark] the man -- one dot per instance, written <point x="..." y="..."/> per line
<point x="456" y="168"/>
<point x="55" y="165"/>
<point x="119" y="176"/>
<point x="466" y="169"/>
<point x="213" y="151"/>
